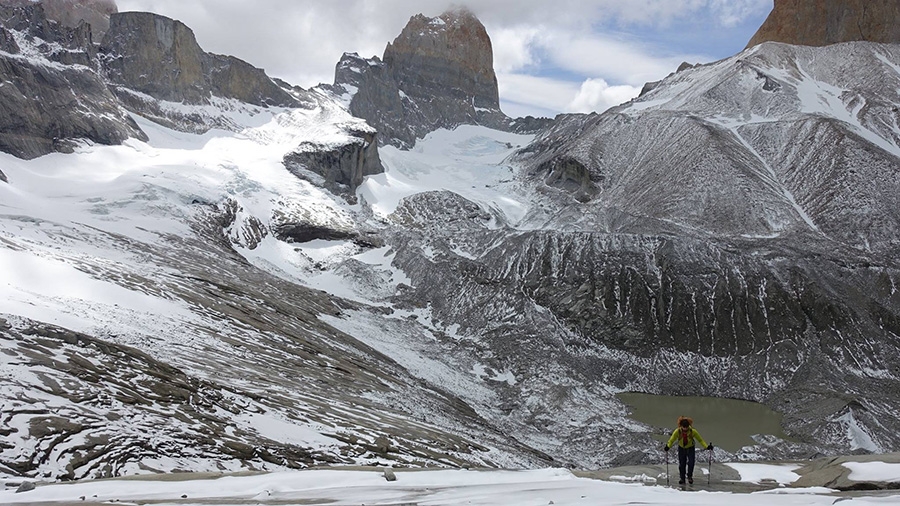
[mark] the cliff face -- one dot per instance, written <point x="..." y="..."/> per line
<point x="53" y="101"/>
<point x="154" y="55"/>
<point x="449" y="56"/>
<point x="827" y="22"/>
<point x="438" y="73"/>
<point x="159" y="56"/>
<point x="65" y="88"/>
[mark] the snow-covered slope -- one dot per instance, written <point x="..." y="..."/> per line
<point x="486" y="488"/>
<point x="774" y="140"/>
<point x="135" y="338"/>
<point x="731" y="233"/>
<point x="745" y="209"/>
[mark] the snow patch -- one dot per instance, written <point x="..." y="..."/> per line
<point x="873" y="471"/>
<point x="468" y="161"/>
<point x="856" y="434"/>
<point x="757" y="473"/>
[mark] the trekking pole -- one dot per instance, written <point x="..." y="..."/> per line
<point x="709" y="469"/>
<point x="667" y="468"/>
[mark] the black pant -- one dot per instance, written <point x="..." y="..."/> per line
<point x="686" y="458"/>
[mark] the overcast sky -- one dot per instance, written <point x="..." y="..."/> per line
<point x="551" y="56"/>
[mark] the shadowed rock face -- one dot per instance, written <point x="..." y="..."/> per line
<point x="343" y="167"/>
<point x="831" y="21"/>
<point x="46" y="108"/>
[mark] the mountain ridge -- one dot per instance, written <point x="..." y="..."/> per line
<point x="479" y="302"/>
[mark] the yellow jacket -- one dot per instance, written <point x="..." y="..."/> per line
<point x="691" y="434"/>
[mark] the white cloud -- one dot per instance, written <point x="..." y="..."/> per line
<point x="525" y="95"/>
<point x="514" y="48"/>
<point x="596" y="95"/>
<point x="731" y="12"/>
<point x="616" y="60"/>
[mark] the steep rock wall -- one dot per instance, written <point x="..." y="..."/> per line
<point x="438" y="73"/>
<point x="160" y="57"/>
<point x="827" y="22"/>
<point x="47" y="107"/>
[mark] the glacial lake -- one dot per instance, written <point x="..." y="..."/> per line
<point x="727" y="423"/>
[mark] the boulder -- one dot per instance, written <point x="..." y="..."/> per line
<point x="26" y="486"/>
<point x="836" y="473"/>
<point x="801" y="22"/>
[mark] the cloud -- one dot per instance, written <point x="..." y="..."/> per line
<point x="596" y="95"/>
<point x="525" y="95"/>
<point x="620" y="61"/>
<point x="514" y="48"/>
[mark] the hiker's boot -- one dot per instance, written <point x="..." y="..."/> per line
<point x="691" y="480"/>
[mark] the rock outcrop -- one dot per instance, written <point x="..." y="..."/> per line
<point x="47" y="107"/>
<point x="449" y="56"/>
<point x="831" y="21"/>
<point x="438" y="73"/>
<point x="342" y="167"/>
<point x="55" y="41"/>
<point x="160" y="57"/>
<point x="71" y="13"/>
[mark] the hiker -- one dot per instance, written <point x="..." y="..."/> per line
<point x="685" y="434"/>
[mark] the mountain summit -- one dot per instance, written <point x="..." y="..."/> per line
<point x="452" y="53"/>
<point x="438" y="73"/>
<point x="827" y="22"/>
